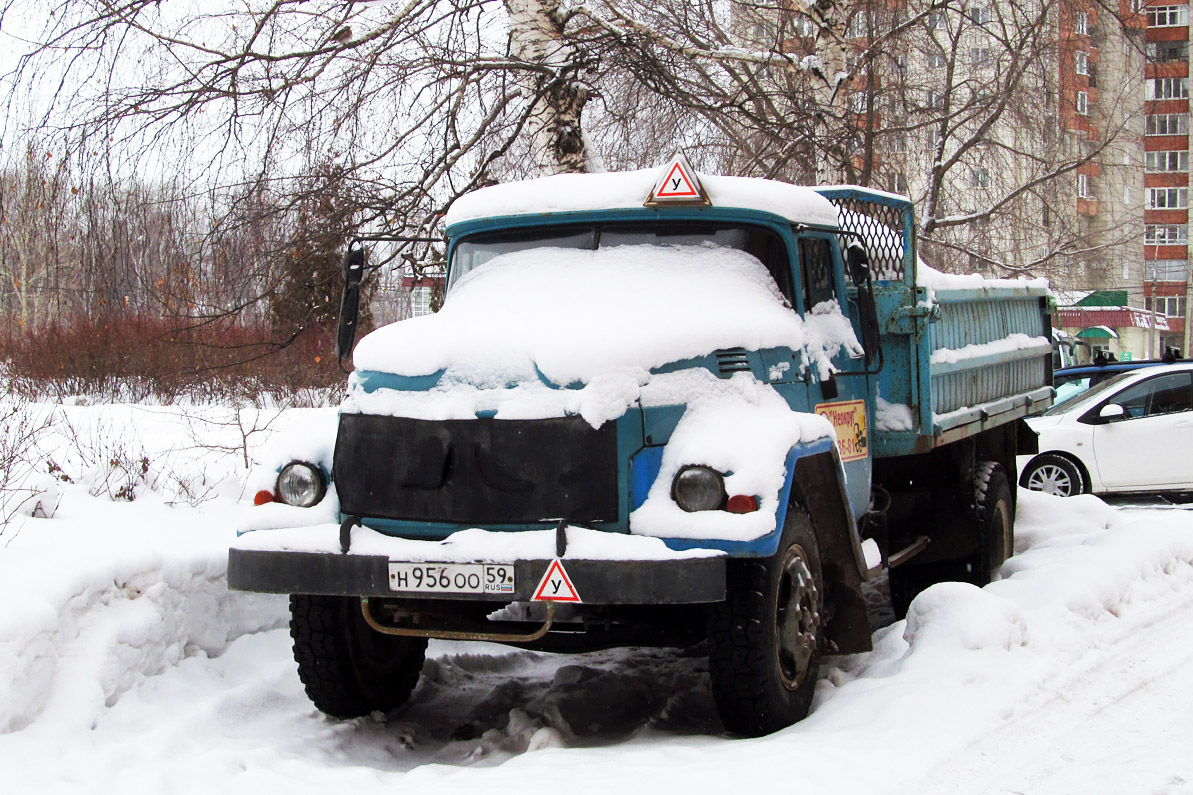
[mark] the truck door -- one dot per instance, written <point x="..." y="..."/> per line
<point x="845" y="398"/>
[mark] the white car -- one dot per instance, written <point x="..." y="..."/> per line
<point x="1130" y="433"/>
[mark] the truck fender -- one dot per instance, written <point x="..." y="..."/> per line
<point x="818" y="484"/>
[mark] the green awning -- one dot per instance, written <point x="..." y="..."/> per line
<point x="1104" y="298"/>
<point x="1098" y="333"/>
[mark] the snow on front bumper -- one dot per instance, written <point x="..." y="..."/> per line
<point x="605" y="568"/>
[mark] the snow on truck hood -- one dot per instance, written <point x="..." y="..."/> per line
<point x="596" y="321"/>
<point x="629" y="189"/>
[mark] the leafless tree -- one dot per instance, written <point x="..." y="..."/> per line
<point x="958" y="103"/>
<point x="410" y="103"/>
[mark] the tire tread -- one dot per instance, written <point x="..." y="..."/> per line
<point x="322" y="649"/>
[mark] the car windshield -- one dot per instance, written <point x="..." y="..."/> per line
<point x="764" y="244"/>
<point x="1091" y="395"/>
<point x="1070" y="388"/>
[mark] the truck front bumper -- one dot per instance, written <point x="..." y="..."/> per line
<point x="686" y="580"/>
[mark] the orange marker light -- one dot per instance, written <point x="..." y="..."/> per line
<point x="742" y="503"/>
<point x="262" y="497"/>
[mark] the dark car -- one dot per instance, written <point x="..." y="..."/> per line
<point x="1070" y="381"/>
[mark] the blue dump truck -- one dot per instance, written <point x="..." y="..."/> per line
<point x="657" y="408"/>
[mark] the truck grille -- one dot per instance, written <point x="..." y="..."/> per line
<point x="481" y="471"/>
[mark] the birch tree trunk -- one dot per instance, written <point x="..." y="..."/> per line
<point x="554" y="87"/>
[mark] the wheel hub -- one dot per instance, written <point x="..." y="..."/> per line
<point x="1051" y="479"/>
<point x="797" y="618"/>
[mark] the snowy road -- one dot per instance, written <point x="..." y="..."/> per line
<point x="126" y="666"/>
<point x="1118" y="722"/>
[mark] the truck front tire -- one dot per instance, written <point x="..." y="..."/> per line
<point x="764" y="639"/>
<point x="347" y="667"/>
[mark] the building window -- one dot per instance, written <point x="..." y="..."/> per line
<point x="936" y="59"/>
<point x="862" y="102"/>
<point x="979" y="57"/>
<point x="1171" y="341"/>
<point x="1083" y="103"/>
<point x="1081" y="23"/>
<point x="1167" y="305"/>
<point x="1167" y="198"/>
<point x="1168" y="124"/>
<point x="1083" y="187"/>
<point x="1081" y="62"/>
<point x="1166" y="161"/>
<point x="858" y="27"/>
<point x="420" y="301"/>
<point x="1165" y="51"/>
<point x="936" y="20"/>
<point x="898" y="143"/>
<point x="899" y="184"/>
<point x="1168" y="88"/>
<point x="1167" y="16"/>
<point x="933" y="99"/>
<point x="804" y="27"/>
<point x="1167" y="270"/>
<point x="1165" y="234"/>
<point x="978" y="15"/>
<point x="979" y="177"/>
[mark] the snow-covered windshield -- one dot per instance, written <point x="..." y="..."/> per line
<point x="760" y="242"/>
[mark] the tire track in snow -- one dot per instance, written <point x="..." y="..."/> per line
<point x="1117" y="724"/>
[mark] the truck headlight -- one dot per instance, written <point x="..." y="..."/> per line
<point x="301" y="484"/>
<point x="698" y="488"/>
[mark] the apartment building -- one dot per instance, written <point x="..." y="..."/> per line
<point x="1037" y="138"/>
<point x="1166" y="172"/>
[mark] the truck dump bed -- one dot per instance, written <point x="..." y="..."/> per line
<point x="961" y="353"/>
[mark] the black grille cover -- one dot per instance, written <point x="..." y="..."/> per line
<point x="481" y="471"/>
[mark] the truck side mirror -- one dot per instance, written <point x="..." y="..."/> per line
<point x="858" y="262"/>
<point x="353" y="272"/>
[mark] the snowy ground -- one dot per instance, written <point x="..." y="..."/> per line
<point x="127" y="666"/>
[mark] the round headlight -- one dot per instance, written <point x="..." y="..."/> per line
<point x="301" y="484"/>
<point x="698" y="488"/>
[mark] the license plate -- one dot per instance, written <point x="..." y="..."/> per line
<point x="482" y="578"/>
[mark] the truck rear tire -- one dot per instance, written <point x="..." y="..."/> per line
<point x="994" y="509"/>
<point x="348" y="668"/>
<point x="992" y="525"/>
<point x="764" y="639"/>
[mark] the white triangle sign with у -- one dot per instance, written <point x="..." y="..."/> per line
<point x="679" y="184"/>
<point x="556" y="586"/>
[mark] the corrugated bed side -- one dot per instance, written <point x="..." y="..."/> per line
<point x="983" y="379"/>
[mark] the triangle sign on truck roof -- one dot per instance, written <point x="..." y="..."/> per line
<point x="678" y="184"/>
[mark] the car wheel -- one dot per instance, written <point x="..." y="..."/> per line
<point x="764" y="639"/>
<point x="348" y="668"/>
<point x="1053" y="474"/>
